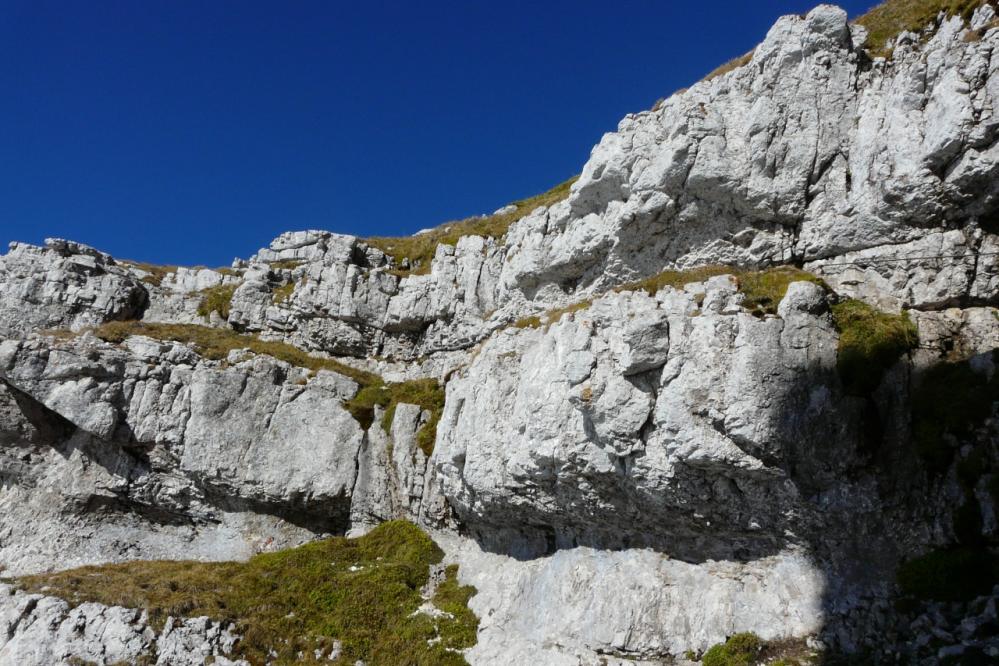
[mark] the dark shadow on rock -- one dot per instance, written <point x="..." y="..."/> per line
<point x="862" y="499"/>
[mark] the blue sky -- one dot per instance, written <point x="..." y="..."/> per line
<point x="193" y="132"/>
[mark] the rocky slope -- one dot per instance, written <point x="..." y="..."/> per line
<point x="629" y="464"/>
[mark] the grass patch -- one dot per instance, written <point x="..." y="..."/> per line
<point x="746" y="649"/>
<point x="282" y="293"/>
<point x="953" y="574"/>
<point x="286" y="264"/>
<point x="552" y="316"/>
<point x="363" y="592"/>
<point x="739" y="650"/>
<point x="677" y="279"/>
<point x="154" y="273"/>
<point x="216" y="299"/>
<point x="870" y="341"/>
<point x="889" y="19"/>
<point x="427" y="393"/>
<point x="734" y="63"/>
<point x="412" y="255"/>
<point x="453" y="598"/>
<point x="765" y="289"/>
<point x="216" y="343"/>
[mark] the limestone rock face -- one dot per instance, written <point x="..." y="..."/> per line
<point x="807" y="153"/>
<point x="596" y="592"/>
<point x="648" y="436"/>
<point x="624" y="474"/>
<point x="63" y="285"/>
<point x="162" y="443"/>
<point x="45" y="630"/>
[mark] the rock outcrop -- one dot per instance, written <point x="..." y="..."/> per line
<point x="45" y="630"/>
<point x="625" y="470"/>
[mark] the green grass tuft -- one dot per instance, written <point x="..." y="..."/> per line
<point x="427" y="393"/>
<point x="216" y="299"/>
<point x="451" y="597"/>
<point x="889" y="19"/>
<point x="418" y="250"/>
<point x="299" y="600"/>
<point x="765" y="289"/>
<point x="739" y="650"/>
<point x="870" y="342"/>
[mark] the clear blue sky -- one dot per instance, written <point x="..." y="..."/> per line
<point x="194" y="131"/>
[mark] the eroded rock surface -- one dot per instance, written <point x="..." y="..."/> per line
<point x="646" y="474"/>
<point x="45" y="630"/>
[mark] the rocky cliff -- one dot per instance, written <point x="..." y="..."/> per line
<point x="741" y="378"/>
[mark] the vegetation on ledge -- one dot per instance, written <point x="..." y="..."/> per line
<point x="216" y="299"/>
<point x="412" y="254"/>
<point x="154" y="273"/>
<point x="870" y="342"/>
<point x="552" y="316"/>
<point x="734" y="63"/>
<point x="747" y="649"/>
<point x="886" y="21"/>
<point x="763" y="289"/>
<point x="285" y="264"/>
<point x="363" y="592"/>
<point x="216" y="343"/>
<point x="427" y="393"/>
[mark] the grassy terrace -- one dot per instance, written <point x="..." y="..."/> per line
<point x="418" y="250"/>
<point x="763" y="289"/>
<point x="216" y="343"/>
<point x="362" y="592"/>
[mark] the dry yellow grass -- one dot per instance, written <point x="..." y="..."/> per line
<point x="155" y="273"/>
<point x="418" y="250"/>
<point x="216" y="299"/>
<point x="890" y="18"/>
<point x="734" y="63"/>
<point x="552" y="316"/>
<point x="763" y="289"/>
